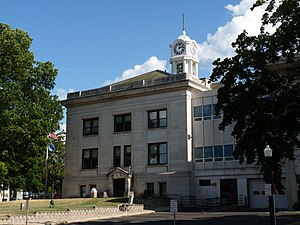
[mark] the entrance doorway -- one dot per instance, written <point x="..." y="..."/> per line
<point x="228" y="191"/>
<point x="119" y="187"/>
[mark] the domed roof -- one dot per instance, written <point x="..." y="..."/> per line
<point x="184" y="37"/>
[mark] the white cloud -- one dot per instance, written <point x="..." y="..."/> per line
<point x="62" y="93"/>
<point x="240" y="9"/>
<point x="153" y="63"/>
<point x="218" y="45"/>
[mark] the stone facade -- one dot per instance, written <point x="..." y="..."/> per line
<point x="114" y="133"/>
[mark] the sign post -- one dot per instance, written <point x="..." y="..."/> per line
<point x="173" y="208"/>
<point x="27" y="208"/>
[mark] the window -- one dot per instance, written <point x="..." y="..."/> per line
<point x="117" y="156"/>
<point x="208" y="153"/>
<point x="218" y="152"/>
<point x="163" y="189"/>
<point x="157" y="119"/>
<point x="203" y="183"/>
<point x="194" y="69"/>
<point x="207" y="112"/>
<point x="89" y="158"/>
<point x="214" y="110"/>
<point x="83" y="191"/>
<point x="127" y="155"/>
<point x="90" y="126"/>
<point x="150" y="189"/>
<point x="122" y="123"/>
<point x="198" y="113"/>
<point x="198" y="154"/>
<point x="179" y="68"/>
<point x="214" y="153"/>
<point x="228" y="152"/>
<point x="157" y="153"/>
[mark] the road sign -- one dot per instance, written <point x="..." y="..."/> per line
<point x="173" y="206"/>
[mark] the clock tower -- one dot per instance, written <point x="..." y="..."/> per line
<point x="184" y="56"/>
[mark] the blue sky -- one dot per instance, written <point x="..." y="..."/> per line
<point x="95" y="42"/>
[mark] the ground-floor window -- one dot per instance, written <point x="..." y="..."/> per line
<point x="162" y="189"/>
<point x="83" y="193"/>
<point x="150" y="189"/>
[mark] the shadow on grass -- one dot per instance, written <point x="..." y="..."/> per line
<point x="120" y="200"/>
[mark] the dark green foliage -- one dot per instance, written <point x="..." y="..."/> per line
<point x="28" y="111"/>
<point x="263" y="105"/>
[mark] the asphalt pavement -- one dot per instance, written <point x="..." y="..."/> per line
<point x="201" y="218"/>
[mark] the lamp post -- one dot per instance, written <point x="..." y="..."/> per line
<point x="269" y="189"/>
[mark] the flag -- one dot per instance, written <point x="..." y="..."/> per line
<point x="52" y="147"/>
<point x="53" y="136"/>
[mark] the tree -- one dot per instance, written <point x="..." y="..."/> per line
<point x="28" y="111"/>
<point x="3" y="172"/>
<point x="261" y="103"/>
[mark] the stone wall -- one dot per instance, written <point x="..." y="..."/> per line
<point x="70" y="216"/>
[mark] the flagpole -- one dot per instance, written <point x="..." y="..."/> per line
<point x="46" y="172"/>
<point x="54" y="137"/>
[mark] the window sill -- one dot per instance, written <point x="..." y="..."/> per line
<point x="87" y="169"/>
<point x="89" y="135"/>
<point x="157" y="128"/>
<point x="121" y="132"/>
<point x="157" y="165"/>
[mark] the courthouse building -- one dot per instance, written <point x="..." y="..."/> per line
<point x="157" y="135"/>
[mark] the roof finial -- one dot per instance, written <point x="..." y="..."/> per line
<point x="183" y="31"/>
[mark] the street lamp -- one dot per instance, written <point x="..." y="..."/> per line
<point x="269" y="189"/>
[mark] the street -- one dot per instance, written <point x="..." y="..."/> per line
<point x="193" y="218"/>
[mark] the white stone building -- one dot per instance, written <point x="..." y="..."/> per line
<point x="157" y="134"/>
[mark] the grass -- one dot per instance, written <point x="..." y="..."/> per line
<point x="41" y="205"/>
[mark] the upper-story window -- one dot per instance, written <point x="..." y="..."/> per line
<point x="117" y="156"/>
<point x="157" y="153"/>
<point x="90" y="158"/>
<point x="122" y="122"/>
<point x="214" y="153"/>
<point x="215" y="115"/>
<point x="179" y="68"/>
<point x="127" y="155"/>
<point x="206" y="112"/>
<point x="198" y="113"/>
<point x="228" y="152"/>
<point x="90" y="126"/>
<point x="157" y="118"/>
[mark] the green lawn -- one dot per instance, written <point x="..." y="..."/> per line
<point x="40" y="205"/>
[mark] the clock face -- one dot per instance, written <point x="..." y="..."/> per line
<point x="193" y="48"/>
<point x="179" y="48"/>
